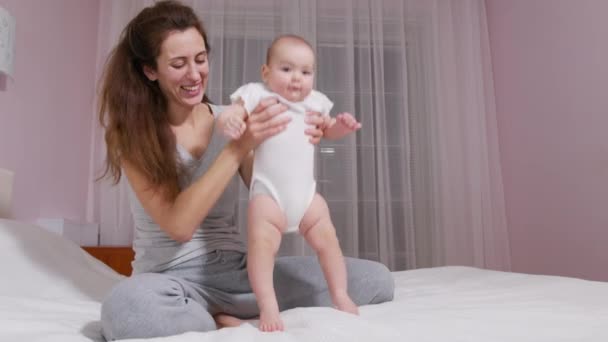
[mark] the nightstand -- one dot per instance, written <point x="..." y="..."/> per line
<point x="117" y="257"/>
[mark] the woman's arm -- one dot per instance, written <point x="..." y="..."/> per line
<point x="180" y="217"/>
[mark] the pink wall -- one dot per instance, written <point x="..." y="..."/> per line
<point x="45" y="114"/>
<point x="550" y="60"/>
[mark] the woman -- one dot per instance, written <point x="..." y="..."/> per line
<point x="190" y="270"/>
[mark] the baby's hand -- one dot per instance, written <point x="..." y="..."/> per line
<point x="342" y="125"/>
<point x="231" y="121"/>
<point x="348" y="122"/>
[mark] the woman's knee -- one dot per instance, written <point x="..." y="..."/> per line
<point x="120" y="297"/>
<point x="370" y="282"/>
<point x="385" y="284"/>
<point x="124" y="304"/>
<point x="151" y="305"/>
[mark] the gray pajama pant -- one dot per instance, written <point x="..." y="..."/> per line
<point x="185" y="297"/>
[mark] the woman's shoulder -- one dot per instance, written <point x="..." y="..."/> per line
<point x="207" y="108"/>
<point x="215" y="109"/>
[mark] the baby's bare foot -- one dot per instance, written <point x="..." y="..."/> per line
<point x="270" y="321"/>
<point x="226" y="321"/>
<point x="344" y="303"/>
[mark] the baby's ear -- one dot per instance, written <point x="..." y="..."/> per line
<point x="264" y="72"/>
<point x="150" y="73"/>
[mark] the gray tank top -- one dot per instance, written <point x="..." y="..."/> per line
<point x="155" y="251"/>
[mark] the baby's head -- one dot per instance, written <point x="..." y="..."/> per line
<point x="290" y="67"/>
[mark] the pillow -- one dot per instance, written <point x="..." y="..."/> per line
<point x="41" y="264"/>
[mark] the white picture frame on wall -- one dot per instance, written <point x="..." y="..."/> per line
<point x="6" y="192"/>
<point x="7" y="42"/>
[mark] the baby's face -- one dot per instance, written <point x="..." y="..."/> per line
<point x="291" y="71"/>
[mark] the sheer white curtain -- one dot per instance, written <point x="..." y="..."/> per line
<point x="420" y="184"/>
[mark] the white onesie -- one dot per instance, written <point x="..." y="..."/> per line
<point x="283" y="165"/>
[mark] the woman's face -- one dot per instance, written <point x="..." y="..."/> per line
<point x="181" y="69"/>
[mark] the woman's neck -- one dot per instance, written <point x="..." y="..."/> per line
<point x="181" y="115"/>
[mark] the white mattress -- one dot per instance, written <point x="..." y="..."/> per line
<point x="51" y="291"/>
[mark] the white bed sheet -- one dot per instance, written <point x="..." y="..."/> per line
<point x="51" y="291"/>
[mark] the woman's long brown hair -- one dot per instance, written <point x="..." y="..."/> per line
<point x="133" y="109"/>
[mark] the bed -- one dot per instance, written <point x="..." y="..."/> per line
<point x="51" y="291"/>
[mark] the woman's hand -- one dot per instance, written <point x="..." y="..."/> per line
<point x="319" y="123"/>
<point x="264" y="122"/>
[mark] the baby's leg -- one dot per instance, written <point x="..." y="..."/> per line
<point x="265" y="227"/>
<point x="319" y="232"/>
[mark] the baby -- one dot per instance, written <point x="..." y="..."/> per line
<point x="283" y="193"/>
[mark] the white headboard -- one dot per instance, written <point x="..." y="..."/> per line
<point x="6" y="192"/>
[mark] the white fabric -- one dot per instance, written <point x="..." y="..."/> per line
<point x="283" y="165"/>
<point x="420" y="184"/>
<point x="50" y="292"/>
<point x="37" y="263"/>
<point x="252" y="93"/>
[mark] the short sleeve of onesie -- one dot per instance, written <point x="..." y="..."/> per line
<point x="251" y="94"/>
<point x="321" y="101"/>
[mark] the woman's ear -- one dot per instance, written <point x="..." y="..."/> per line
<point x="150" y="73"/>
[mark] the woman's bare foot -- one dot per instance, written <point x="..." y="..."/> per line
<point x="226" y="321"/>
<point x="271" y="321"/>
<point x="344" y="303"/>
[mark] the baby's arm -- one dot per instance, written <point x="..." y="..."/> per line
<point x="231" y="121"/>
<point x="340" y="126"/>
